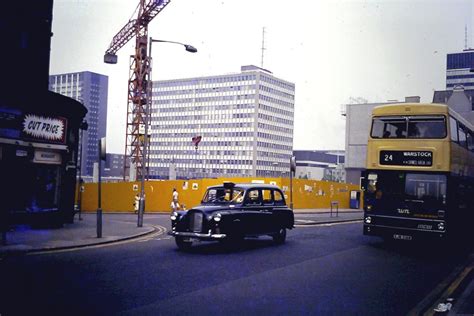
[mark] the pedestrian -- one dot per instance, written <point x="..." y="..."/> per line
<point x="174" y="200"/>
<point x="136" y="203"/>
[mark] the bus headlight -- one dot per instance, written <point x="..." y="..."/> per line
<point x="441" y="226"/>
<point x="368" y="220"/>
<point x="174" y="216"/>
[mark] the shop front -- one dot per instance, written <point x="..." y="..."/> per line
<point x="38" y="158"/>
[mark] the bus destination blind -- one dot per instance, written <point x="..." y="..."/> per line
<point x="406" y="158"/>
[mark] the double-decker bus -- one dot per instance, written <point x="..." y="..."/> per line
<point x="419" y="180"/>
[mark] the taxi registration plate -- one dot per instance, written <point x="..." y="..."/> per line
<point x="402" y="237"/>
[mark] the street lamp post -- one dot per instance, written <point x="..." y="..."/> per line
<point x="83" y="127"/>
<point x="188" y="47"/>
<point x="292" y="172"/>
<point x="275" y="165"/>
<point x="141" y="205"/>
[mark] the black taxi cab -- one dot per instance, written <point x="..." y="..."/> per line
<point x="231" y="212"/>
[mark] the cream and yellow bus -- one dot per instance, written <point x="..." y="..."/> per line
<point x="419" y="180"/>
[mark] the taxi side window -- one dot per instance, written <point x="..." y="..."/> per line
<point x="278" y="197"/>
<point x="267" y="197"/>
<point x="253" y="197"/>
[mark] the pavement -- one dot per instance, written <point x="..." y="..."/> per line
<point x="122" y="226"/>
<point x="23" y="239"/>
<point x="116" y="227"/>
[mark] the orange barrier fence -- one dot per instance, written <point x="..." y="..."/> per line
<point x="120" y="196"/>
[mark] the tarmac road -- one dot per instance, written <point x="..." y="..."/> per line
<point x="323" y="269"/>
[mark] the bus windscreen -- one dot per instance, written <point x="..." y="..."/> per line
<point x="420" y="127"/>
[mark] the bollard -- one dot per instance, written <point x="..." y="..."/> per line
<point x="336" y="205"/>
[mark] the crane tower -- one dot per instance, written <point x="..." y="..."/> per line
<point x="139" y="84"/>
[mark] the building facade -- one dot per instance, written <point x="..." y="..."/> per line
<point x="226" y="125"/>
<point x="91" y="90"/>
<point x="458" y="99"/>
<point x="358" y="123"/>
<point x="113" y="166"/>
<point x="38" y="128"/>
<point x="458" y="69"/>
<point x="320" y="165"/>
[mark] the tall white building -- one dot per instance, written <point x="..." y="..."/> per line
<point x="244" y="120"/>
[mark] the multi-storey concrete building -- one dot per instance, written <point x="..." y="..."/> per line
<point x="320" y="164"/>
<point x="458" y="69"/>
<point x="244" y="122"/>
<point x="91" y="90"/>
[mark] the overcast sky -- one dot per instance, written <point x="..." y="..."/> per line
<point x="332" y="50"/>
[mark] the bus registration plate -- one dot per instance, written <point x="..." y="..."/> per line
<point x="402" y="237"/>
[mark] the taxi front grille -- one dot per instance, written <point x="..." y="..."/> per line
<point x="196" y="221"/>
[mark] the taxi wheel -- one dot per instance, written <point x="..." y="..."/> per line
<point x="280" y="236"/>
<point x="183" y="245"/>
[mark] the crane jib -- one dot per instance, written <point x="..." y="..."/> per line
<point x="149" y="11"/>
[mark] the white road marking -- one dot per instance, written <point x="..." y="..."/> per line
<point x="160" y="231"/>
<point x="330" y="224"/>
<point x="155" y="239"/>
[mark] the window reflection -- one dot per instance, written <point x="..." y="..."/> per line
<point x="425" y="186"/>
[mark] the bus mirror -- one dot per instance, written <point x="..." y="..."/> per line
<point x="362" y="183"/>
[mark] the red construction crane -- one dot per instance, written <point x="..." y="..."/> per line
<point x="139" y="84"/>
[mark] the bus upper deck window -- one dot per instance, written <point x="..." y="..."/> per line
<point x="389" y="127"/>
<point x="453" y="128"/>
<point x="426" y="127"/>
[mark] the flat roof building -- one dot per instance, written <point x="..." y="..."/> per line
<point x="242" y="125"/>
<point x="320" y="165"/>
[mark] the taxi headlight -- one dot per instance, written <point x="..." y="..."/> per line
<point x="174" y="216"/>
<point x="368" y="220"/>
<point x="217" y="217"/>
